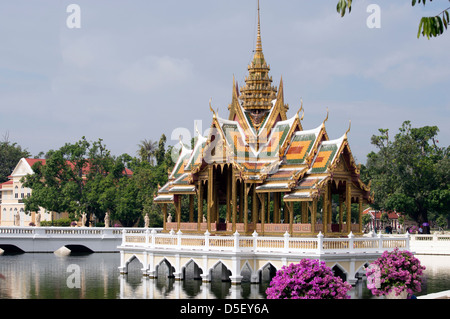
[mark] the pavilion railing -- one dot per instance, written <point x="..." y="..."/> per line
<point x="261" y="244"/>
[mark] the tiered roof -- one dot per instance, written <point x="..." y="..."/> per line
<point x="264" y="145"/>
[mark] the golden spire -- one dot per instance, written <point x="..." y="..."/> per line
<point x="258" y="92"/>
<point x="258" y="37"/>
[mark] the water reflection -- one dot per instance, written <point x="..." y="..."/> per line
<point x="45" y="276"/>
<point x="169" y="288"/>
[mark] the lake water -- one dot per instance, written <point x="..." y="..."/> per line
<point x="96" y="276"/>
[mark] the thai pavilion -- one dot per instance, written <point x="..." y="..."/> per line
<point x="261" y="171"/>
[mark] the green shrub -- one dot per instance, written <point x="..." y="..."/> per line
<point x="62" y="222"/>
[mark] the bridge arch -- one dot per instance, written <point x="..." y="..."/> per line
<point x="340" y="271"/>
<point x="131" y="259"/>
<point x="164" y="269"/>
<point x="191" y="270"/>
<point x="267" y="272"/>
<point x="361" y="271"/>
<point x="219" y="271"/>
<point x="246" y="272"/>
<point x="76" y="248"/>
<point x="11" y="249"/>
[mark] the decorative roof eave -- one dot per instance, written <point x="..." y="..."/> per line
<point x="296" y="126"/>
<point x="301" y="196"/>
<point x="227" y="152"/>
<point x="198" y="148"/>
<point x="273" y="187"/>
<point x="321" y="136"/>
<point x="234" y="105"/>
<point x="182" y="190"/>
<point x="164" y="199"/>
<point x="184" y="153"/>
<point x="279" y="108"/>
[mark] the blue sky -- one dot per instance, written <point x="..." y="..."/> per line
<point x="137" y="69"/>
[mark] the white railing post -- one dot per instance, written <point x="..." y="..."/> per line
<point x="320" y="243"/>
<point x="255" y="240"/>
<point x="286" y="242"/>
<point x="38" y="231"/>
<point x="236" y="242"/>
<point x="179" y="233"/>
<point x="123" y="236"/>
<point x="153" y="243"/>
<point x="351" y="239"/>
<point x="147" y="233"/>
<point x="407" y="241"/>
<point x="380" y="242"/>
<point x="206" y="248"/>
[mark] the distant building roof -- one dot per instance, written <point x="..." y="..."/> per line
<point x="377" y="213"/>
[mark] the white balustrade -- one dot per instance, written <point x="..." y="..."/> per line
<point x="258" y="244"/>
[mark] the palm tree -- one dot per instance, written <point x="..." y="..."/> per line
<point x="147" y="149"/>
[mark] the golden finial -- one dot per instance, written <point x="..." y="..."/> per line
<point x="196" y="130"/>
<point x="258" y="37"/>
<point x="180" y="138"/>
<point x="349" y="127"/>
<point x="326" y="119"/>
<point x="301" y="109"/>
<point x="210" y="107"/>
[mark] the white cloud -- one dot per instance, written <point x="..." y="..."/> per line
<point x="153" y="72"/>
<point x="138" y="69"/>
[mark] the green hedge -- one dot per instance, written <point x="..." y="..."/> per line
<point x="58" y="222"/>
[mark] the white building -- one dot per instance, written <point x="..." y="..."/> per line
<point x="12" y="193"/>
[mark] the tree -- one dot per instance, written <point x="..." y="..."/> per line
<point x="10" y="154"/>
<point x="161" y="151"/>
<point x="409" y="174"/>
<point x="77" y="178"/>
<point x="428" y="26"/>
<point x="85" y="177"/>
<point x="147" y="150"/>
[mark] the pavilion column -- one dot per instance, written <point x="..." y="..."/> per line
<point x="164" y="209"/>
<point x="341" y="212"/>
<point x="241" y="201"/>
<point x="191" y="208"/>
<point x="330" y="201"/>
<point x="360" y="213"/>
<point x="245" y="208"/>
<point x="228" y="195"/>
<point x="348" y="202"/>
<point x="216" y="202"/>
<point x="313" y="215"/>
<point x="210" y="196"/>
<point x="325" y="210"/>
<point x="178" y="210"/>
<point x="262" y="198"/>
<point x="233" y="199"/>
<point x="285" y="212"/>
<point x="276" y="208"/>
<point x="290" y="208"/>
<point x="200" y="205"/>
<point x="304" y="212"/>
<point x="254" y="206"/>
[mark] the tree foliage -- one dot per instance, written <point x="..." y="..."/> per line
<point x="147" y="150"/>
<point x="410" y="173"/>
<point x="10" y="154"/>
<point x="428" y="26"/>
<point x="85" y="177"/>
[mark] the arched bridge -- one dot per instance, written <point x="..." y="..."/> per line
<point x="50" y="239"/>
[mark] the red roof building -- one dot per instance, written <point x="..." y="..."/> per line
<point x="377" y="224"/>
